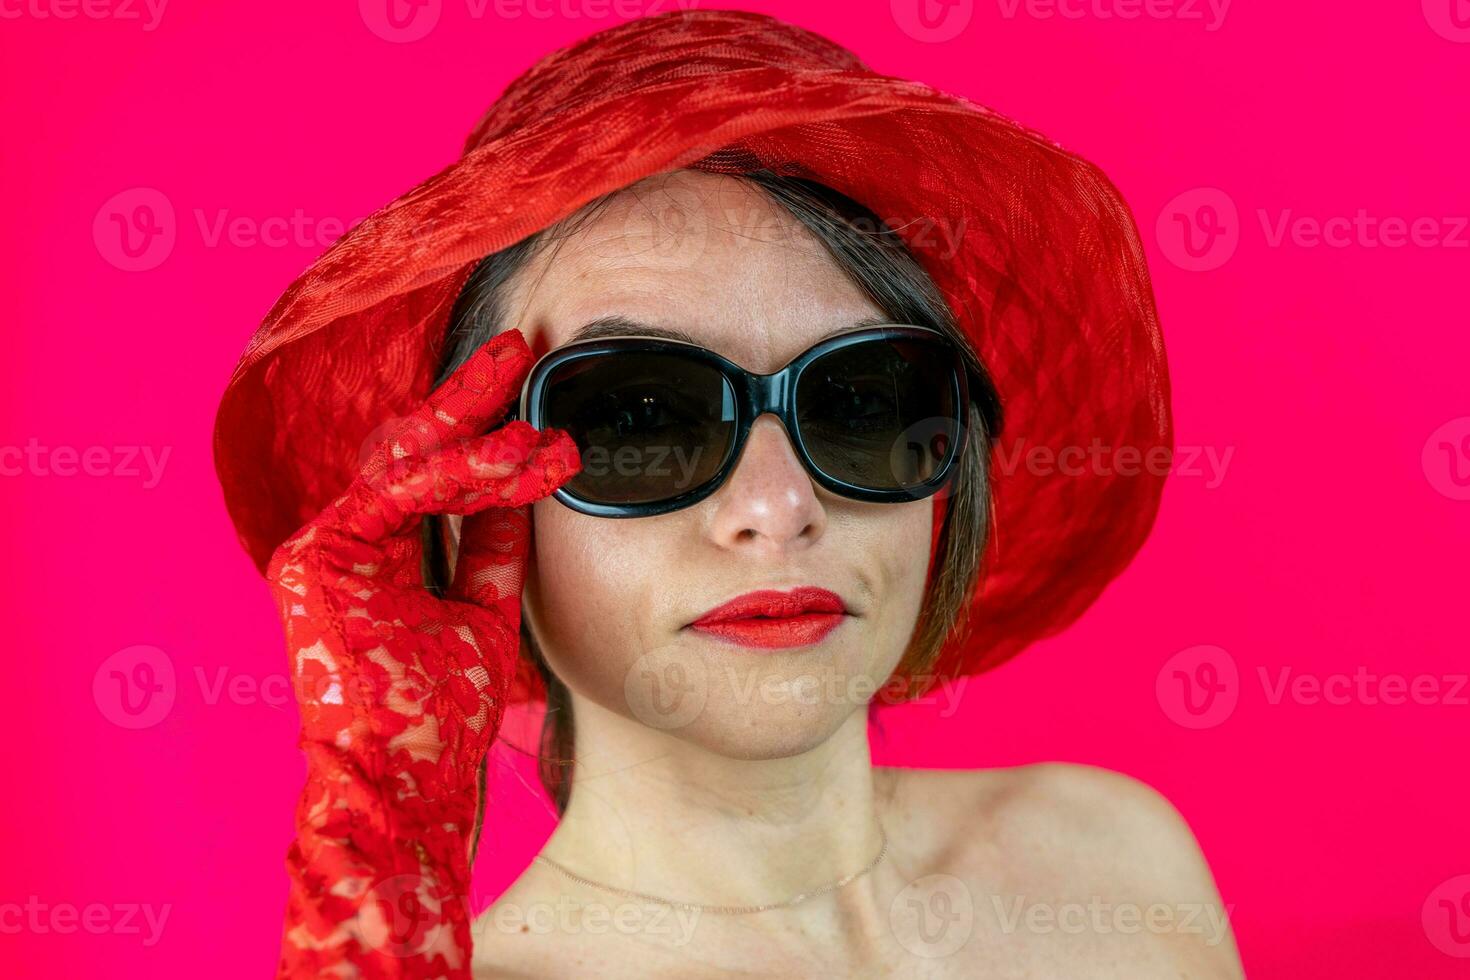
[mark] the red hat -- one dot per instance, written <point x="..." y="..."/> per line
<point x="1033" y="248"/>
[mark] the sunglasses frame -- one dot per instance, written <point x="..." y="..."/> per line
<point x="755" y="395"/>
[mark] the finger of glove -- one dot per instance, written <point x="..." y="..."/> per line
<point x="469" y="400"/>
<point x="491" y="568"/>
<point x="509" y="467"/>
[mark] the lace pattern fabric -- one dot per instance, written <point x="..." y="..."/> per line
<point x="401" y="692"/>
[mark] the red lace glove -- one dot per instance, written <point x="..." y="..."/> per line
<point x="401" y="691"/>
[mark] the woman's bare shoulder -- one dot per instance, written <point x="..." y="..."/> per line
<point x="1083" y="812"/>
<point x="1082" y="835"/>
<point x="510" y="940"/>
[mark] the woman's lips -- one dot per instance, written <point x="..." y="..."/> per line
<point x="789" y="631"/>
<point x="769" y="619"/>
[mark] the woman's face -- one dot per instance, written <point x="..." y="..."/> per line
<point x="611" y="601"/>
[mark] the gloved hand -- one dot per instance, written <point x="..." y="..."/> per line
<point x="401" y="691"/>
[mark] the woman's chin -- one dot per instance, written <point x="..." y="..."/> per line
<point x="733" y="732"/>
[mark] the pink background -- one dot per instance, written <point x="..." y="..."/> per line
<point x="1334" y="543"/>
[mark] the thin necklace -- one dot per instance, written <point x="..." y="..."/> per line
<point x="725" y="909"/>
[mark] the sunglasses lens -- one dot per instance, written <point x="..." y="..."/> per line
<point x="650" y="426"/>
<point x="880" y="415"/>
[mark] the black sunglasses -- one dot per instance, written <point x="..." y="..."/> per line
<point x="876" y="414"/>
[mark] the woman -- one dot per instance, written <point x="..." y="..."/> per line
<point x="728" y="557"/>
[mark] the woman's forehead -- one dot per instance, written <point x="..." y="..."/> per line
<point x="709" y="256"/>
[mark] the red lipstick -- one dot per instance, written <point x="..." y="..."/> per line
<point x="771" y="619"/>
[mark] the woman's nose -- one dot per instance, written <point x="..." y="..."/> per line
<point x="769" y="502"/>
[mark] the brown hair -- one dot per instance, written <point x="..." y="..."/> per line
<point x="879" y="262"/>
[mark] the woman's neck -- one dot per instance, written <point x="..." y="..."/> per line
<point x="660" y="815"/>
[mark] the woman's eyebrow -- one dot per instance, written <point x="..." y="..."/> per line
<point x="617" y="325"/>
